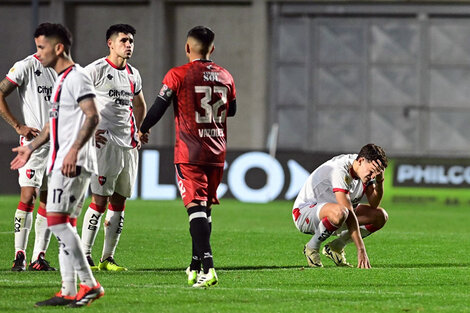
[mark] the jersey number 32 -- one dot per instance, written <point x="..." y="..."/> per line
<point x="211" y="111"/>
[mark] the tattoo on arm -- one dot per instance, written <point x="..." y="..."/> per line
<point x="91" y="121"/>
<point x="6" y="87"/>
<point x="41" y="139"/>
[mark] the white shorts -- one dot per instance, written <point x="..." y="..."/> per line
<point x="65" y="194"/>
<point x="117" y="170"/>
<point x="307" y="218"/>
<point x="32" y="174"/>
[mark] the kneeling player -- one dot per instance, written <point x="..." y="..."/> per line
<point x="328" y="203"/>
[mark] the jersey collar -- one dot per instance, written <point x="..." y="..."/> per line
<point x="114" y="65"/>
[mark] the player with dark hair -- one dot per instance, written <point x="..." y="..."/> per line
<point x="203" y="95"/>
<point x="329" y="203"/>
<point x="34" y="83"/>
<point x="122" y="107"/>
<point x="72" y="120"/>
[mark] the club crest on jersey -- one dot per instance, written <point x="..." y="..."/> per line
<point x="38" y="72"/>
<point x="101" y="180"/>
<point x="109" y="76"/>
<point x="30" y="173"/>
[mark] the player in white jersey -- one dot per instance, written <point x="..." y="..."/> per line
<point x="122" y="107"/>
<point x="72" y="121"/>
<point x="34" y="85"/>
<point x="329" y="203"/>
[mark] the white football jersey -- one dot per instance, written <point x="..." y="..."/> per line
<point x="330" y="177"/>
<point x="66" y="118"/>
<point x="115" y="89"/>
<point x="34" y="88"/>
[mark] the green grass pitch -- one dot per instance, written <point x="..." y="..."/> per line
<point x="421" y="263"/>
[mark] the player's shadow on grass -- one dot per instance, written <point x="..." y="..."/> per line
<point x="275" y="267"/>
<point x="226" y="268"/>
<point x="421" y="265"/>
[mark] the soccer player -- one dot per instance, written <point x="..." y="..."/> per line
<point x="203" y="95"/>
<point x="329" y="202"/>
<point x="72" y="121"/>
<point x="122" y="108"/>
<point x="34" y="83"/>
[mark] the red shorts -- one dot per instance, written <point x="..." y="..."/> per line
<point x="198" y="182"/>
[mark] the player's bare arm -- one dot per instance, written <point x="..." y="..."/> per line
<point x="92" y="118"/>
<point x="353" y="227"/>
<point x="24" y="152"/>
<point x="6" y="88"/>
<point x="374" y="192"/>
<point x="140" y="108"/>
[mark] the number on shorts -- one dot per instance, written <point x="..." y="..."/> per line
<point x="57" y="195"/>
<point x="211" y="112"/>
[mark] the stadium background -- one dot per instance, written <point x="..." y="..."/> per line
<point x="314" y="78"/>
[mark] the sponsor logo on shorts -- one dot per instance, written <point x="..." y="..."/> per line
<point x="30" y="173"/>
<point x="181" y="188"/>
<point x="102" y="180"/>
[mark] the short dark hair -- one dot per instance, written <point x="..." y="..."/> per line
<point x="204" y="35"/>
<point x="372" y="152"/>
<point x="119" y="28"/>
<point x="57" y="31"/>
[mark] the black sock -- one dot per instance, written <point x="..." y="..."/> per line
<point x="200" y="233"/>
<point x="195" y="260"/>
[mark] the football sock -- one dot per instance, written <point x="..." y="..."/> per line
<point x="196" y="261"/>
<point x="91" y="225"/>
<point x="209" y="220"/>
<point x="23" y="222"/>
<point x="344" y="237"/>
<point x="42" y="232"/>
<point x="322" y="232"/>
<point x="200" y="233"/>
<point x="72" y="253"/>
<point x="112" y="230"/>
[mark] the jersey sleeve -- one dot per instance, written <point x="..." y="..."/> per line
<point x="18" y="72"/>
<point x="233" y="92"/>
<point x="82" y="86"/>
<point x="339" y="180"/>
<point x="138" y="82"/>
<point x="92" y="71"/>
<point x="172" y="80"/>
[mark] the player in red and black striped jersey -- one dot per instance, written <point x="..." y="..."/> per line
<point x="203" y="95"/>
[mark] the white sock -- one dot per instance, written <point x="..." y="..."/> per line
<point x="23" y="222"/>
<point x="112" y="231"/>
<point x="344" y="238"/>
<point x="91" y="226"/>
<point x="68" y="273"/>
<point x="322" y="232"/>
<point x="69" y="242"/>
<point x="42" y="238"/>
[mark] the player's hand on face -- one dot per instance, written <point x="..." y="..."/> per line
<point x="362" y="260"/>
<point x="99" y="138"/>
<point x="378" y="169"/>
<point x="69" y="165"/>
<point x="28" y="132"/>
<point x="24" y="152"/>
